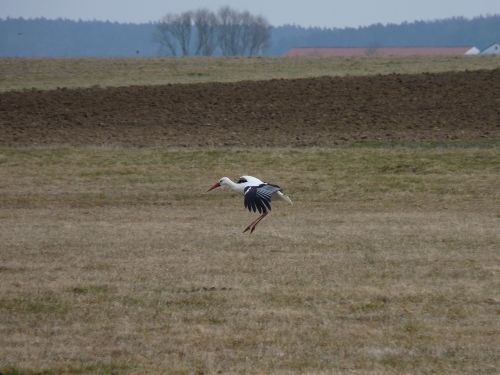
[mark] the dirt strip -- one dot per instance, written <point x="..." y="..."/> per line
<point x="308" y="112"/>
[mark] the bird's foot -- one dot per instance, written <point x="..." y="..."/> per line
<point x="250" y="228"/>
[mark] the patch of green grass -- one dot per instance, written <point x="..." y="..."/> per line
<point x="99" y="177"/>
<point x="47" y="303"/>
<point x="487" y="143"/>
<point x="90" y="368"/>
<point x="51" y="73"/>
<point x="89" y="289"/>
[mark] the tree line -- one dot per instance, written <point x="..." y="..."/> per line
<point x="44" y="37"/>
<point x="457" y="31"/>
<point x="64" y="38"/>
<point x="227" y="32"/>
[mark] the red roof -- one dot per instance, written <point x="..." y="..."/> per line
<point x="377" y="51"/>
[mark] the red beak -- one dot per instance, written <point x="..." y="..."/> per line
<point x="213" y="187"/>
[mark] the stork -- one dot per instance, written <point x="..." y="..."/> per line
<point x="257" y="195"/>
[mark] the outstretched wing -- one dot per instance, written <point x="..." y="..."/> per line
<point x="258" y="198"/>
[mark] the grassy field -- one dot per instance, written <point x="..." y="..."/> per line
<point x="17" y="73"/>
<point x="117" y="261"/>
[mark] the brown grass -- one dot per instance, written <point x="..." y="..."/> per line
<point x="50" y="73"/>
<point x="115" y="260"/>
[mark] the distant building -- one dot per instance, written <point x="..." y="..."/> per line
<point x="473" y="51"/>
<point x="381" y="51"/>
<point x="494" y="49"/>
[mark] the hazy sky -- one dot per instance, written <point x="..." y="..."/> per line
<point x="329" y="13"/>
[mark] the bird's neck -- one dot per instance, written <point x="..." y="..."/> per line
<point x="234" y="186"/>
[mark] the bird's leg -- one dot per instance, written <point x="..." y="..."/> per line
<point x="258" y="221"/>
<point x="254" y="223"/>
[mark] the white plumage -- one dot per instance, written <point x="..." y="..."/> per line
<point x="257" y="195"/>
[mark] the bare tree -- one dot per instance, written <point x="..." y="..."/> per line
<point x="260" y="36"/>
<point x="234" y="33"/>
<point x="225" y="20"/>
<point x="174" y="33"/>
<point x="164" y="35"/>
<point x="245" y="36"/>
<point x="241" y="33"/>
<point x="205" y="23"/>
<point x="184" y="31"/>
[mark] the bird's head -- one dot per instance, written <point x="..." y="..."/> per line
<point x="224" y="181"/>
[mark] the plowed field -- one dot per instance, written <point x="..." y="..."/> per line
<point x="308" y="112"/>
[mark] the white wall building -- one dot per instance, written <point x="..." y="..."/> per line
<point x="473" y="51"/>
<point x="494" y="49"/>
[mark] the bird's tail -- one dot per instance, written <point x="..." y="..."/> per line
<point x="285" y="197"/>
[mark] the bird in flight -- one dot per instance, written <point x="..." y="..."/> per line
<point x="257" y="195"/>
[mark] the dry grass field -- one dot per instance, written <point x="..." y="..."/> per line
<point x="22" y="73"/>
<point x="117" y="261"/>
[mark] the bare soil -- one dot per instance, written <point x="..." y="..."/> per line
<point x="301" y="112"/>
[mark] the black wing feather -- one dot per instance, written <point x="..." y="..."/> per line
<point x="258" y="198"/>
